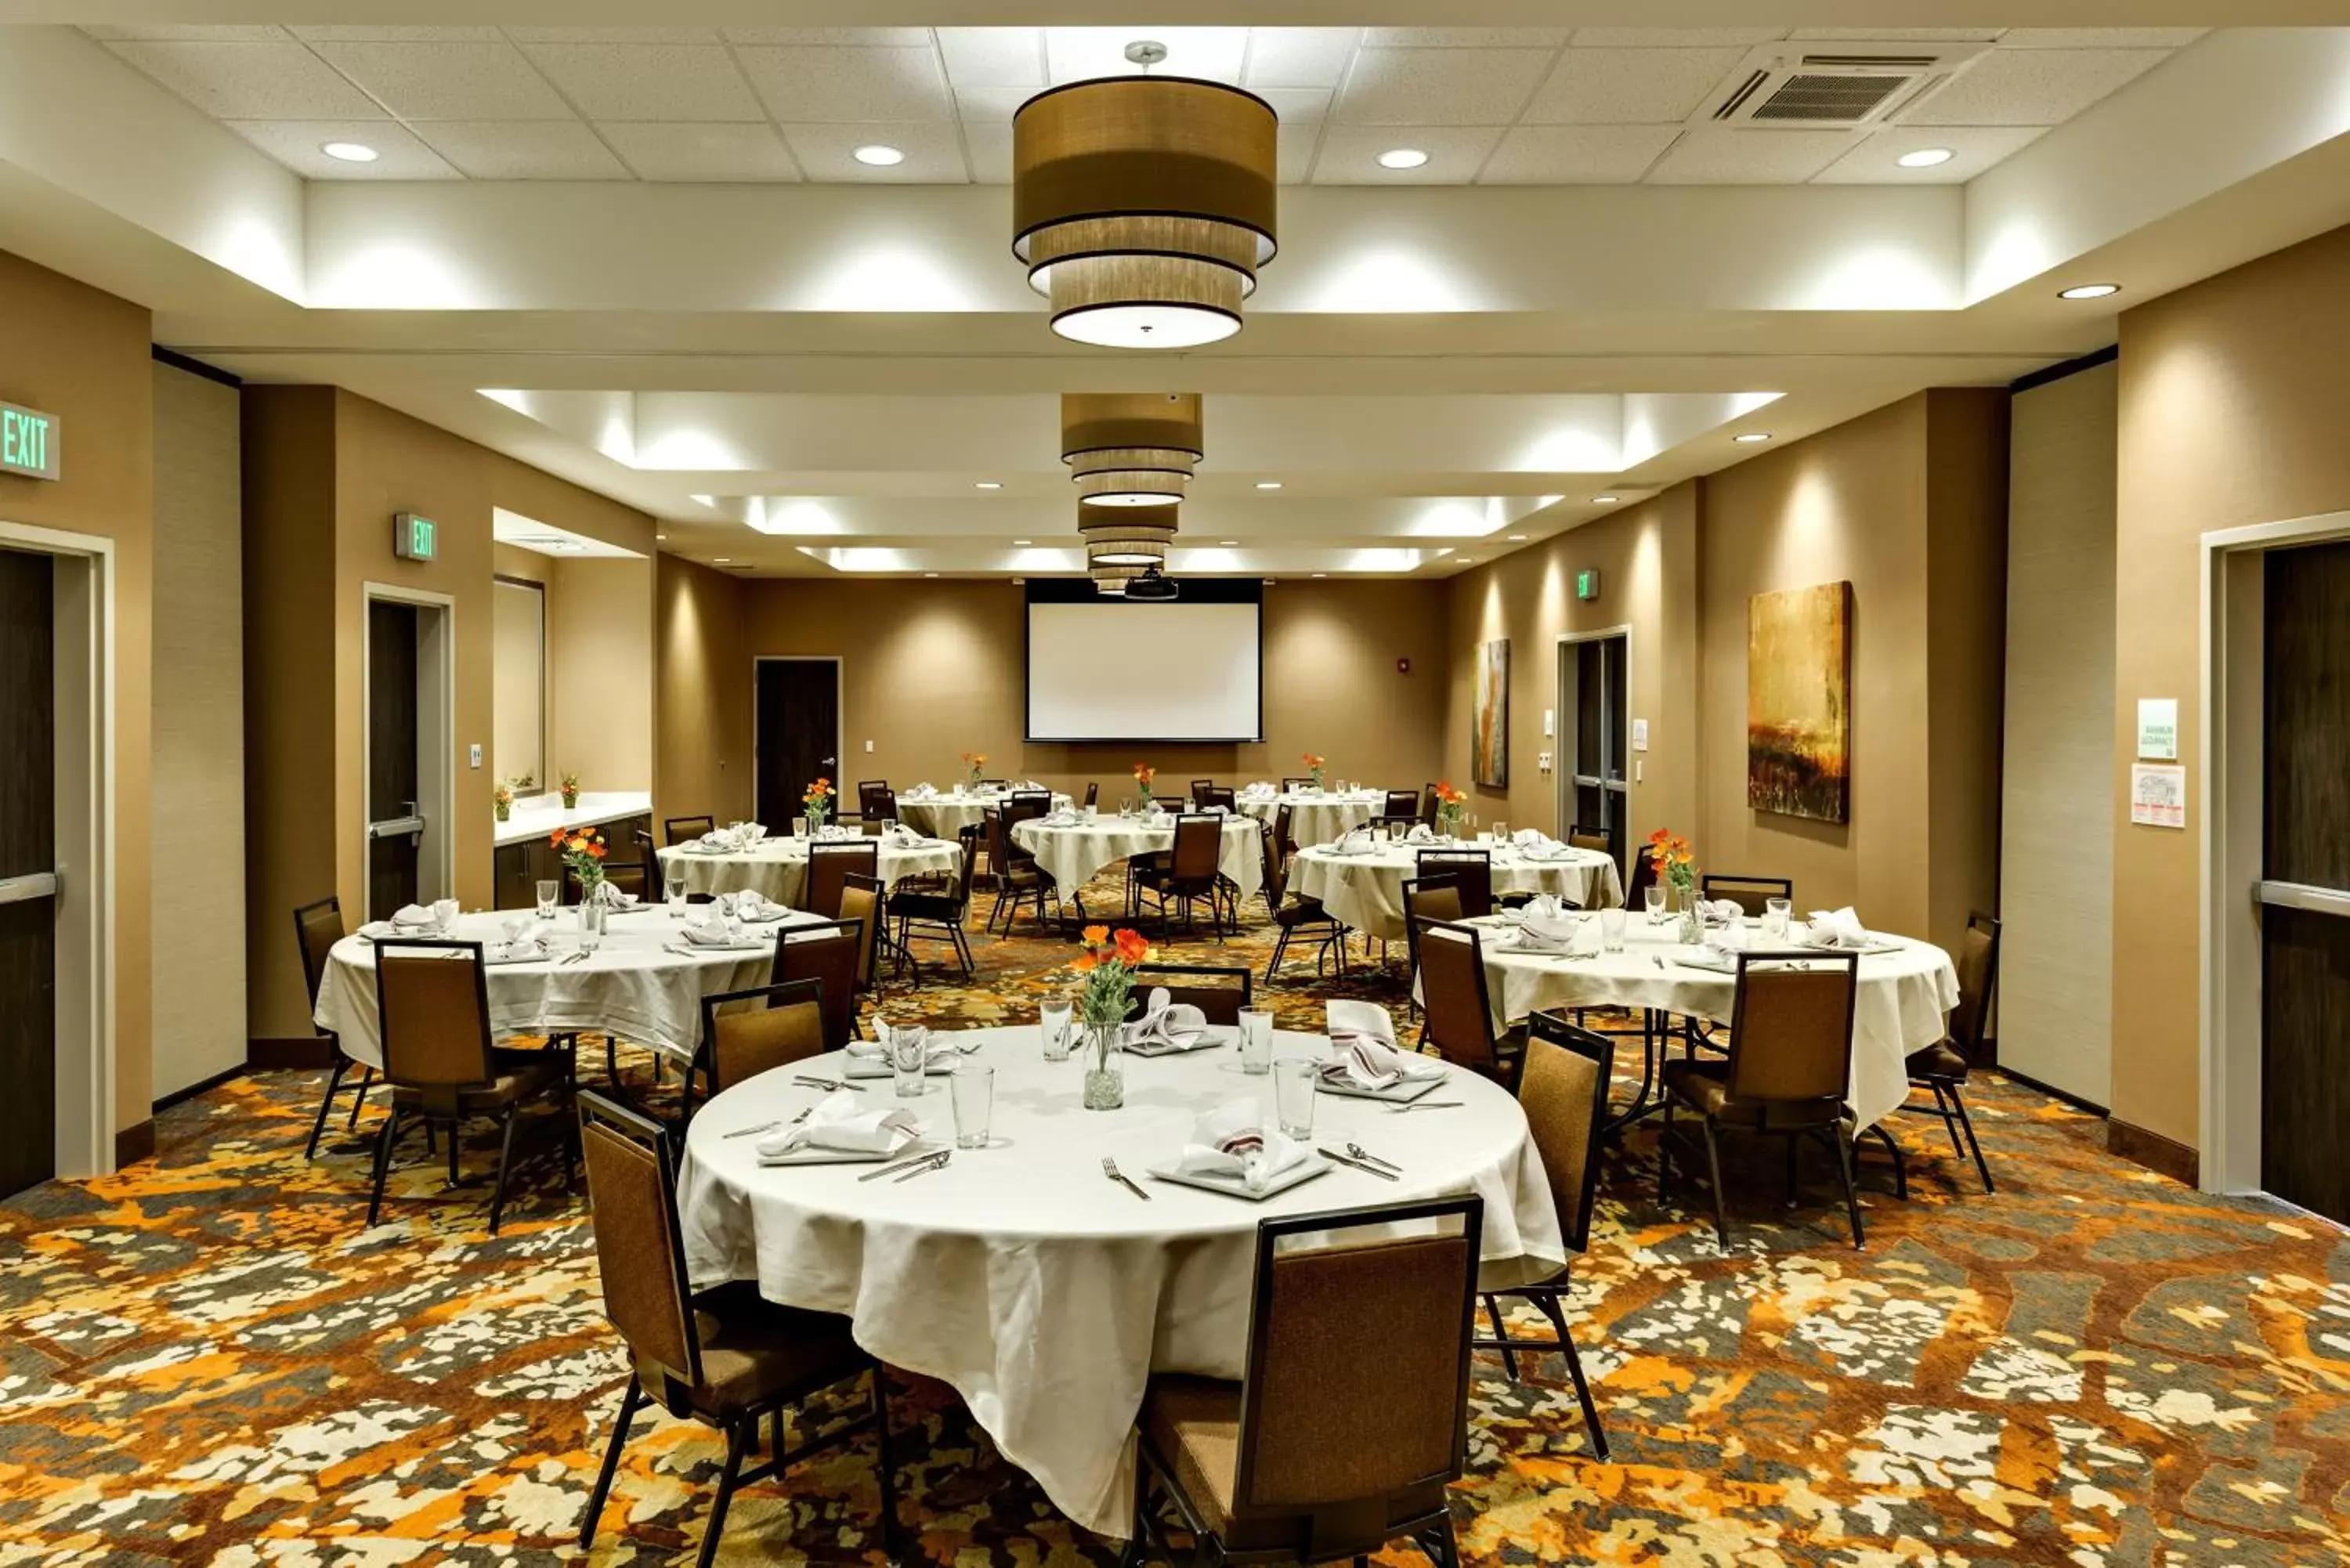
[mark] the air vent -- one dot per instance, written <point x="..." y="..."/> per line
<point x="1778" y="89"/>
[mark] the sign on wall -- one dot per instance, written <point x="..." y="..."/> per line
<point x="414" y="538"/>
<point x="2157" y="728"/>
<point x="31" y="442"/>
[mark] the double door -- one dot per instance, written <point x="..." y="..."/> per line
<point x="1594" y="739"/>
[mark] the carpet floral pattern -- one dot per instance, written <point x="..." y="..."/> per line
<point x="206" y="1359"/>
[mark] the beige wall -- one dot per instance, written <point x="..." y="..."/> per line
<point x="518" y="699"/>
<point x="599" y="647"/>
<point x="702" y="694"/>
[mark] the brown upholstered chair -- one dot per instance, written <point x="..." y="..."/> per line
<point x="1402" y="802"/>
<point x="1563" y="1087"/>
<point x="747" y="1032"/>
<point x="1941" y="1067"/>
<point x="1188" y="874"/>
<point x="876" y="799"/>
<point x="828" y="865"/>
<point x="1322" y="1451"/>
<point x="829" y="955"/>
<point x="317" y="928"/>
<point x="1214" y="795"/>
<point x="726" y="1357"/>
<point x="935" y="912"/>
<point x="1749" y="893"/>
<point x="861" y="897"/>
<point x="1788" y="1070"/>
<point x="1457" y="1007"/>
<point x="1018" y="878"/>
<point x="1298" y="916"/>
<point x="1425" y="899"/>
<point x="1428" y="804"/>
<point x="433" y="1011"/>
<point x="1597" y="838"/>
<point x="1471" y="871"/>
<point x="678" y="829"/>
<point x="1199" y="789"/>
<point x="1217" y="992"/>
<point x="1643" y="878"/>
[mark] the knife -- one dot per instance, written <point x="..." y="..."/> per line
<point x="900" y="1165"/>
<point x="1358" y="1164"/>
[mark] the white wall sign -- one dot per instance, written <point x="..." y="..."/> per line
<point x="2159" y="795"/>
<point x="1640" y="734"/>
<point x="2157" y="728"/>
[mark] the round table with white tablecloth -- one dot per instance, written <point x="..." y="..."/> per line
<point x="643" y="983"/>
<point x="1364" y="891"/>
<point x="1043" y="1291"/>
<point x="1317" y="816"/>
<point x="946" y="815"/>
<point x="1071" y="855"/>
<point x="777" y="868"/>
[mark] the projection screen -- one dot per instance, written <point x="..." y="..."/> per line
<point x="1114" y="670"/>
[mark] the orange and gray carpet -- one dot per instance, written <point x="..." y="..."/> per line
<point x="206" y="1359"/>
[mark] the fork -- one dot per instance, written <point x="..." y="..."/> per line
<point x="1110" y="1169"/>
<point x="1425" y="1105"/>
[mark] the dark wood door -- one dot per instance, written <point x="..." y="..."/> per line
<point x="799" y="733"/>
<point x="1600" y="797"/>
<point x="2305" y="952"/>
<point x="391" y="754"/>
<point x="28" y="907"/>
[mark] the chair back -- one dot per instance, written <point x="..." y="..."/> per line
<point x="640" y="1251"/>
<point x="869" y="791"/>
<point x="1978" y="977"/>
<point x="861" y="900"/>
<point x="1022" y="807"/>
<point x="1350" y="1441"/>
<point x="827" y="954"/>
<point x="432" y="1011"/>
<point x="678" y="829"/>
<point x="317" y="928"/>
<point x="1643" y="878"/>
<point x="1198" y="845"/>
<point x="1427" y="804"/>
<point x="1402" y="802"/>
<point x="1274" y="845"/>
<point x="1563" y="1087"/>
<point x="1219" y="992"/>
<point x="1790" y="1033"/>
<point x="968" y="835"/>
<point x="625" y="876"/>
<point x="1426" y="899"/>
<point x="747" y="1032"/>
<point x="1598" y="838"/>
<point x="1471" y="871"/>
<point x="1093" y="794"/>
<point x="1749" y="893"/>
<point x="1200" y="790"/>
<point x="827" y="873"/>
<point x="1452" y="996"/>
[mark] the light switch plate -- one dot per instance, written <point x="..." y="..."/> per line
<point x="1640" y="770"/>
<point x="1550" y="722"/>
<point x="474" y="753"/>
<point x="868" y="748"/>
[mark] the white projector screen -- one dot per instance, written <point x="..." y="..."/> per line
<point x="1117" y="671"/>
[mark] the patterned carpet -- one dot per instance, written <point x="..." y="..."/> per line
<point x="206" y="1359"/>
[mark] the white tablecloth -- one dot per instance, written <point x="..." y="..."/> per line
<point x="641" y="984"/>
<point x="1044" y="1292"/>
<point x="1365" y="891"/>
<point x="1905" y="997"/>
<point x="1071" y="855"/>
<point x="1317" y="817"/>
<point x="945" y="816"/>
<point x="777" y="868"/>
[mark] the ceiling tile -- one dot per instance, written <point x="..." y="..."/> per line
<point x="1294" y="161"/>
<point x="1350" y="155"/>
<point x="649" y="81"/>
<point x="993" y="57"/>
<point x="991" y="105"/>
<point x="845" y="86"/>
<point x="1304" y="105"/>
<point x="693" y="152"/>
<point x="1674" y="37"/>
<point x="2031" y="87"/>
<point x="1717" y="155"/>
<point x="1576" y="154"/>
<point x="449" y="81"/>
<point x="373" y="34"/>
<point x="933" y="153"/>
<point x="252" y="81"/>
<point x="522" y="149"/>
<point x="2100" y="37"/>
<point x="1440" y="87"/>
<point x="295" y="143"/>
<point x="831" y="37"/>
<point x="991" y="152"/>
<point x="1465" y="37"/>
<point x="1298" y="57"/>
<point x="1629" y="87"/>
<point x="613" y="34"/>
<point x="1975" y="148"/>
<point x="112" y="32"/>
<point x="1896" y="34"/>
<point x="1075" y="54"/>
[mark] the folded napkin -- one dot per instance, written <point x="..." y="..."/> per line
<point x="1165" y="1021"/>
<point x="936" y="1048"/>
<point x="523" y="940"/>
<point x="900" y="837"/>
<point x="1556" y="929"/>
<point x="923" y="791"/>
<point x="1729" y="941"/>
<point x="1346" y="1021"/>
<point x="750" y="904"/>
<point x="1532" y="838"/>
<point x="1368" y="1064"/>
<point x="1836" y="928"/>
<point x="850" y="1122"/>
<point x="1723" y="910"/>
<point x="1258" y="791"/>
<point x="616" y="899"/>
<point x="1233" y="1141"/>
<point x="415" y="919"/>
<point x="1353" y="841"/>
<point x="1214" y="811"/>
<point x="1160" y="819"/>
<point x="1061" y="816"/>
<point x="718" y="929"/>
<point x="1421" y="833"/>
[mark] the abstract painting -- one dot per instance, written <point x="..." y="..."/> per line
<point x="1489" y="744"/>
<point x="1799" y="703"/>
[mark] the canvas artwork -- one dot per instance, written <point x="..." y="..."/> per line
<point x="1799" y="703"/>
<point x="1489" y="746"/>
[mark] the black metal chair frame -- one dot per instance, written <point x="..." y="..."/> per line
<point x="1329" y="933"/>
<point x="1950" y="1105"/>
<point x="1722" y="884"/>
<point x="1174" y="975"/>
<point x="933" y="928"/>
<point x="1158" y="882"/>
<point x="311" y="978"/>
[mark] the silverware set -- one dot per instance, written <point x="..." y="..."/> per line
<point x="1361" y="1165"/>
<point x="907" y="1169"/>
<point x="813" y="1083"/>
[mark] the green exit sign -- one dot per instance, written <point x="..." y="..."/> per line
<point x="1586" y="584"/>
<point x="29" y="443"/>
<point x="414" y="538"/>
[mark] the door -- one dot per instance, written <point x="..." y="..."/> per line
<point x="394" y="824"/>
<point x="2305" y="890"/>
<point x="798" y="715"/>
<point x="28" y="903"/>
<point x="1595" y="740"/>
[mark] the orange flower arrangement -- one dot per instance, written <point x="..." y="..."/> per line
<point x="583" y="850"/>
<point x="1315" y="762"/>
<point x="1451" y="806"/>
<point x="818" y="803"/>
<point x="1143" y="774"/>
<point x="1107" y="963"/>
<point x="1673" y="858"/>
<point x="973" y="762"/>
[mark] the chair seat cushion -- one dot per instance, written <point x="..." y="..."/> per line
<point x="926" y="907"/>
<point x="1304" y="912"/>
<point x="754" y="1352"/>
<point x="1941" y="1060"/>
<point x="515" y="1081"/>
<point x="1704" y="1087"/>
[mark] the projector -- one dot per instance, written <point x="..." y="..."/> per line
<point x="1152" y="587"/>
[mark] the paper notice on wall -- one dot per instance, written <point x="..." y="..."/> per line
<point x="2159" y="795"/>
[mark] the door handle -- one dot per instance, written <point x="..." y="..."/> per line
<point x="397" y="827"/>
<point x="2302" y="896"/>
<point x="24" y="889"/>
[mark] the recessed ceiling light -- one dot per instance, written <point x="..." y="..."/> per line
<point x="930" y="574"/>
<point x="1269" y="581"/>
<point x="1603" y="501"/>
<point x="1402" y="158"/>
<point x="1268" y="484"/>
<point x="1751" y="436"/>
<point x="987" y="485"/>
<point x="1228" y="544"/>
<point x="1517" y="538"/>
<point x="660" y="536"/>
<point x="2088" y="291"/>
<point x="879" y="156"/>
<point x="1925" y="158"/>
<point x="349" y="151"/>
<point x="1023" y="541"/>
<point x="1321" y="573"/>
<point x="721" y="560"/>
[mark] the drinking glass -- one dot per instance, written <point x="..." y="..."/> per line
<point x="673" y="884"/>
<point x="549" y="893"/>
<point x="799" y="827"/>
<point x="972" y="1092"/>
<point x="1776" y="912"/>
<point x="910" y="1056"/>
<point x="1125" y="806"/>
<point x="1656" y="900"/>
<point x="1052" y="1017"/>
<point x="1611" y="929"/>
<point x="1256" y="1041"/>
<point x="1501" y="831"/>
<point x="1293" y="1094"/>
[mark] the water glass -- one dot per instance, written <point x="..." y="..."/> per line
<point x="673" y="883"/>
<point x="1611" y="931"/>
<point x="972" y="1092"/>
<point x="1293" y="1094"/>
<point x="1125" y="806"/>
<point x="549" y="893"/>
<point x="1052" y="1017"/>
<point x="799" y="827"/>
<point x="1776" y="912"/>
<point x="1656" y="900"/>
<point x="1501" y="831"/>
<point x="910" y="1057"/>
<point x="1256" y="1041"/>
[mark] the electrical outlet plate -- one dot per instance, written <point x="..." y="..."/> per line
<point x="474" y="753"/>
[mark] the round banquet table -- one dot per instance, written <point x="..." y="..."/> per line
<point x="1071" y="855"/>
<point x="777" y="868"/>
<point x="945" y="816"/>
<point x="1905" y="996"/>
<point x="1045" y="1293"/>
<point x="1365" y="890"/>
<point x="1318" y="816"/>
<point x="643" y="983"/>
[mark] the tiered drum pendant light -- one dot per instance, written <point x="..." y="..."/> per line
<point x="1143" y="205"/>
<point x="1122" y="545"/>
<point x="1131" y="450"/>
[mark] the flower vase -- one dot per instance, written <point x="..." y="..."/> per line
<point x="1105" y="1074"/>
<point x="1692" y="923"/>
<point x="571" y="800"/>
<point x="591" y="911"/>
<point x="1319" y="787"/>
<point x="505" y="810"/>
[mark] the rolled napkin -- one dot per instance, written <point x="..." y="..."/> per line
<point x="750" y="904"/>
<point x="1836" y="928"/>
<point x="1723" y="910"/>
<point x="1421" y="833"/>
<point x="718" y="929"/>
<point x="1347" y="1021"/>
<point x="523" y="940"/>
<point x="851" y="1123"/>
<point x="1165" y="1021"/>
<point x="900" y="837"/>
<point x="1231" y="1141"/>
<point x="1368" y="1064"/>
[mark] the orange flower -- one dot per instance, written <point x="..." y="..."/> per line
<point x="1093" y="936"/>
<point x="1131" y="947"/>
<point x="1086" y="962"/>
<point x="597" y="850"/>
<point x="1144" y="772"/>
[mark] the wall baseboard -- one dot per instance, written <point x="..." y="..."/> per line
<point x="304" y="1051"/>
<point x="2165" y="1156"/>
<point x="134" y="1144"/>
<point x="202" y="1086"/>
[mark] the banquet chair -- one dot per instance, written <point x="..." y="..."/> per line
<point x="678" y="829"/>
<point x="318" y="927"/>
<point x="1218" y="991"/>
<point x="1018" y="877"/>
<point x="1188" y="874"/>
<point x="1788" y="1070"/>
<point x="1428" y="804"/>
<point x="828" y="865"/>
<point x="1459" y="1009"/>
<point x="726" y="1357"/>
<point x="1643" y="878"/>
<point x="876" y="810"/>
<point x="1597" y="838"/>
<point x="1402" y="802"/>
<point x="1200" y="791"/>
<point x="1941" y="1067"/>
<point x="938" y="910"/>
<point x="1223" y="795"/>
<point x="1563" y="1088"/>
<point x="1434" y="898"/>
<point x="1027" y="803"/>
<point x="1294" y="917"/>
<point x="1471" y="871"/>
<point x="861" y="897"/>
<point x="1093" y="794"/>
<point x="868" y="791"/>
<point x="1285" y="833"/>
<point x="626" y="876"/>
<point x="1327" y="1449"/>
<point x="747" y="1032"/>
<point x="1749" y="893"/>
<point x="432" y="1012"/>
<point x="827" y="954"/>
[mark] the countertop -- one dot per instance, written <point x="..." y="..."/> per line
<point x="538" y="815"/>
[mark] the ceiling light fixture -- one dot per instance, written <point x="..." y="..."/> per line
<point x="1228" y="544"/>
<point x="930" y="574"/>
<point x="349" y="151"/>
<point x="1321" y="573"/>
<point x="1144" y="205"/>
<point x="879" y="156"/>
<point x="1517" y="538"/>
<point x="1925" y="158"/>
<point x="721" y="560"/>
<point x="2088" y="291"/>
<point x="987" y="485"/>
<point x="1402" y="158"/>
<point x="1268" y="484"/>
<point x="1023" y="541"/>
<point x="1130" y="449"/>
<point x="1751" y="436"/>
<point x="1603" y="501"/>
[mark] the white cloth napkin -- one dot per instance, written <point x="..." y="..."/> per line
<point x="616" y="899"/>
<point x="1353" y="841"/>
<point x="750" y="904"/>
<point x="850" y="1122"/>
<point x="1233" y="1141"/>
<point x="1836" y="928"/>
<point x="1061" y="816"/>
<point x="1165" y="1021"/>
<point x="1728" y="910"/>
<point x="1421" y="833"/>
<point x="1729" y="941"/>
<point x="1160" y="819"/>
<point x="1549" y="926"/>
<point x="1260" y="790"/>
<point x="1372" y="1064"/>
<point x="936" y="1049"/>
<point x="926" y="790"/>
<point x="718" y="929"/>
<point x="525" y="940"/>
<point x="900" y="837"/>
<point x="415" y="919"/>
<point x="1346" y="1021"/>
<point x="1214" y="811"/>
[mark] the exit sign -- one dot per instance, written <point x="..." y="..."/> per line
<point x="414" y="538"/>
<point x="29" y="443"/>
<point x="1586" y="584"/>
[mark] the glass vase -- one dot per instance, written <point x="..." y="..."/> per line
<point x="1693" y="921"/>
<point x="1105" y="1073"/>
<point x="591" y="911"/>
<point x="505" y="810"/>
